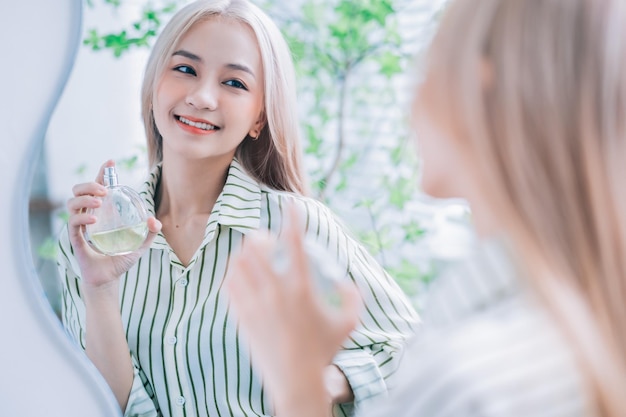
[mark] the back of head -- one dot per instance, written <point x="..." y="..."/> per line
<point x="536" y="89"/>
<point x="275" y="157"/>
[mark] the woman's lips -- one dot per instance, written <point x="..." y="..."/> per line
<point x="196" y="126"/>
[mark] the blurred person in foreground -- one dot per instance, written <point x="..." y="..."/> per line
<point x="521" y="111"/>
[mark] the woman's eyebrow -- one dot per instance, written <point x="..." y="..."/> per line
<point x="233" y="66"/>
<point x="187" y="54"/>
<point x="241" y="67"/>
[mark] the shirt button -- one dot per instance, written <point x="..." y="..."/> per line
<point x="180" y="401"/>
<point x="171" y="340"/>
<point x="183" y="282"/>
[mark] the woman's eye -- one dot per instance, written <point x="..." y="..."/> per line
<point x="185" y="69"/>
<point x="236" y="84"/>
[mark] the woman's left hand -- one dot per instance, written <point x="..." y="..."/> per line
<point x="294" y="334"/>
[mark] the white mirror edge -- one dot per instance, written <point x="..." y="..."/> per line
<point x="42" y="372"/>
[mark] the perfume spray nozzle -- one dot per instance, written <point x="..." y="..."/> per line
<point x="110" y="177"/>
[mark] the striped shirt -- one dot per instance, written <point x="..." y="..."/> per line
<point x="486" y="349"/>
<point x="184" y="341"/>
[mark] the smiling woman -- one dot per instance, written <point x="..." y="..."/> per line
<point x="220" y="117"/>
<point x="210" y="96"/>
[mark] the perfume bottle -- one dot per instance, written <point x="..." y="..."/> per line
<point x="324" y="270"/>
<point x="121" y="226"/>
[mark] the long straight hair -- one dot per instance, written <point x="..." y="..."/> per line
<point x="274" y="158"/>
<point x="536" y="89"/>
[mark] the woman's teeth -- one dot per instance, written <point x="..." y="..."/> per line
<point x="203" y="126"/>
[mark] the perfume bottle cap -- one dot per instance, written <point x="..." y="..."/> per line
<point x="110" y="177"/>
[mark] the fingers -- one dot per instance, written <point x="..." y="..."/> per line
<point x="257" y="254"/>
<point x="296" y="253"/>
<point x="79" y="204"/>
<point x="154" y="227"/>
<point x="242" y="288"/>
<point x="76" y="226"/>
<point x="349" y="311"/>
<point x="77" y="208"/>
<point x="89" y="188"/>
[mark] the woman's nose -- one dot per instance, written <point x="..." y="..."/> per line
<point x="204" y="96"/>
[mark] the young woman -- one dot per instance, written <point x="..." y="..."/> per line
<point x="220" y="115"/>
<point x="521" y="111"/>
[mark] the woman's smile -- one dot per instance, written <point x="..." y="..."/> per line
<point x="196" y="126"/>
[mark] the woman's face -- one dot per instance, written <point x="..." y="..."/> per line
<point x="443" y="162"/>
<point x="210" y="95"/>
<point x="448" y="168"/>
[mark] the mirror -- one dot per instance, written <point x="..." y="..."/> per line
<point x="41" y="372"/>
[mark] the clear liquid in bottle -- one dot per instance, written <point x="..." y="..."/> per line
<point x="120" y="241"/>
<point x="121" y="226"/>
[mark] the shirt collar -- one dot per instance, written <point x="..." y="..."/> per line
<point x="238" y="206"/>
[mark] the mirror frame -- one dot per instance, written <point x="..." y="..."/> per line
<point x="43" y="372"/>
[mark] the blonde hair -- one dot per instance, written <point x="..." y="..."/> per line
<point x="536" y="89"/>
<point x="275" y="157"/>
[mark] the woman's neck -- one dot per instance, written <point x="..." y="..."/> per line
<point x="187" y="188"/>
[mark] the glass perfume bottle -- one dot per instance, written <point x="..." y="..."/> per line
<point x="121" y="226"/>
<point x="324" y="270"/>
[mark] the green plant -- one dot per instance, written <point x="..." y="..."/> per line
<point x="349" y="54"/>
<point x="140" y="33"/>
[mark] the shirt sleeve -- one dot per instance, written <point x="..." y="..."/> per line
<point x="141" y="401"/>
<point x="371" y="354"/>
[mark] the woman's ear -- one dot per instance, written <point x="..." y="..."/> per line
<point x="258" y="126"/>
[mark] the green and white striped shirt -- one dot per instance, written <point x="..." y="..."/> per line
<point x="189" y="359"/>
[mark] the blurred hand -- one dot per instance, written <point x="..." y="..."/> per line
<point x="293" y="333"/>
<point x="98" y="271"/>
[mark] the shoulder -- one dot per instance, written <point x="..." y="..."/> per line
<point x="311" y="213"/>
<point x="509" y="361"/>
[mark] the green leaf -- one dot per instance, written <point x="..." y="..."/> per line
<point x="410" y="277"/>
<point x="92" y="39"/>
<point x="377" y="241"/>
<point x="400" y="191"/>
<point x="365" y="202"/>
<point x="48" y="249"/>
<point x="64" y="216"/>
<point x="128" y="163"/>
<point x="390" y="64"/>
<point x="350" y="161"/>
<point x="170" y="8"/>
<point x="319" y="185"/>
<point x="396" y="155"/>
<point x="315" y="141"/>
<point x="151" y="15"/>
<point x="413" y="231"/>
<point x="80" y="170"/>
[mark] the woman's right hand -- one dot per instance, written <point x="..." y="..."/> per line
<point x="292" y="332"/>
<point x="98" y="271"/>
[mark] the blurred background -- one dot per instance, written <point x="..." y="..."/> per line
<point x="357" y="62"/>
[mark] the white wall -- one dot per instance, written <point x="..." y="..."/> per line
<point x="98" y="117"/>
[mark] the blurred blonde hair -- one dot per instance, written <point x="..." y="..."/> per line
<point x="275" y="157"/>
<point x="536" y="90"/>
